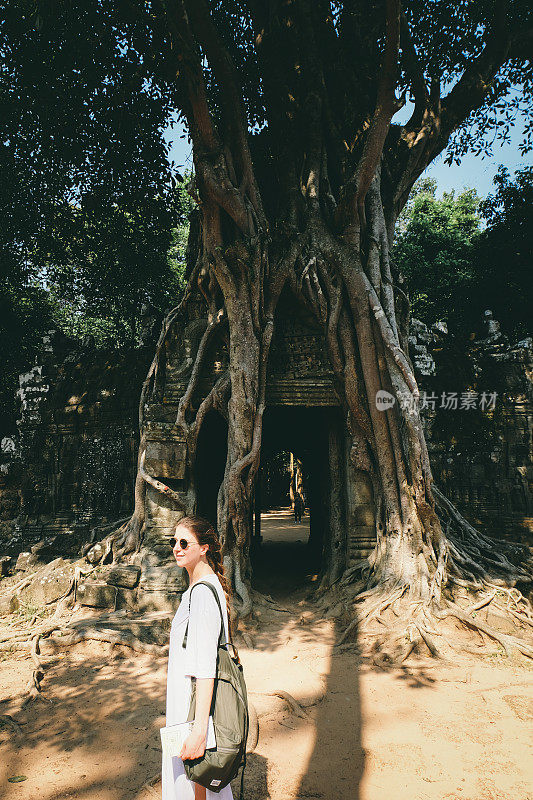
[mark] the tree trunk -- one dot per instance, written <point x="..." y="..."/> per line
<point x="235" y="501"/>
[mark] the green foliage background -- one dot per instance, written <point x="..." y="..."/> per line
<point x="92" y="215"/>
<point x="462" y="255"/>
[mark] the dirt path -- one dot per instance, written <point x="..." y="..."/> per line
<point x="431" y="733"/>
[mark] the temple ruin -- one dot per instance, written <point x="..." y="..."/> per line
<point x="70" y="469"/>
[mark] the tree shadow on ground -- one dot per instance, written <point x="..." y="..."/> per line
<point x="331" y="761"/>
<point x="96" y="712"/>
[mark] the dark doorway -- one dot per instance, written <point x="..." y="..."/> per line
<point x="210" y="464"/>
<point x="287" y="556"/>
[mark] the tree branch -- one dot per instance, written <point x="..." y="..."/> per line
<point x="386" y="104"/>
<point x="415" y="71"/>
<point x="201" y="124"/>
<point x="387" y="334"/>
<point x="474" y="85"/>
<point x="208" y="152"/>
<point x="198" y="364"/>
<point x="234" y="113"/>
<point x="426" y="140"/>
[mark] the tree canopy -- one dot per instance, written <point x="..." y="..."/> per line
<point x="436" y="252"/>
<point x="462" y="255"/>
<point x="92" y="216"/>
<point x="87" y="90"/>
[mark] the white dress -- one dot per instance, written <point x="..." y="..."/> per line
<point x="197" y="659"/>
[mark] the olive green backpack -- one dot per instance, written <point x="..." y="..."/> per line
<point x="229" y="708"/>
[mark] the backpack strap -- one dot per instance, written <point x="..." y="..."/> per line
<point x="222" y="627"/>
<point x="243" y="765"/>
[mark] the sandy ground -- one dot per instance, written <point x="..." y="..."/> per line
<point x="431" y="732"/>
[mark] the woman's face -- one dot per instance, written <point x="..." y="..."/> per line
<point x="190" y="555"/>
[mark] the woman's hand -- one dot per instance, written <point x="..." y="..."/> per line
<point x="194" y="744"/>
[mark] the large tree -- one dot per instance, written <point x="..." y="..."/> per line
<point x="300" y="175"/>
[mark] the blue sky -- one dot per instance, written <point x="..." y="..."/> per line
<point x="473" y="172"/>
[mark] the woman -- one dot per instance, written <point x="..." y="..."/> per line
<point x="196" y="548"/>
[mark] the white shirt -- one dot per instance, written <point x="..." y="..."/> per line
<point x="198" y="658"/>
<point x="204" y="629"/>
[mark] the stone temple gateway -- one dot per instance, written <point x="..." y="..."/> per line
<point x="67" y="474"/>
<point x="303" y="415"/>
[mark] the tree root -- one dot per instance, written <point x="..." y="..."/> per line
<point x="77" y="632"/>
<point x="348" y="574"/>
<point x="524" y="620"/>
<point x="46" y="630"/>
<point x="423" y="620"/>
<point x="295" y="706"/>
<point x="92" y="633"/>
<point x="481" y="604"/>
<point x="253" y="729"/>
<point x="34" y="685"/>
<point x="465" y="561"/>
<point x="430" y="644"/>
<point x="414" y="640"/>
<point x="373" y="611"/>
<point x="266" y="601"/>
<point x="383" y="604"/>
<point x="21" y="585"/>
<point x="247" y="639"/>
<point x="160" y="486"/>
<point x="505" y="640"/>
<point x="484" y="558"/>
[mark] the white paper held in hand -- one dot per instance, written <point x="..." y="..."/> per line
<point x="173" y="736"/>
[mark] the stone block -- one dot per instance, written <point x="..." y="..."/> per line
<point x="6" y="563"/>
<point x="161" y="512"/>
<point x="25" y="561"/>
<point x="361" y="483"/>
<point x="8" y="603"/>
<point x="126" y="576"/>
<point x="165" y="458"/>
<point x="95" y="553"/>
<point x="158" y="600"/>
<point x="168" y="577"/>
<point x="361" y="543"/>
<point x="45" y="549"/>
<point x="49" y="583"/>
<point x="363" y="515"/>
<point x="157" y="540"/>
<point x="96" y="594"/>
<point x="126" y="598"/>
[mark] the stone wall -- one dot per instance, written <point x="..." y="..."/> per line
<point x="481" y="453"/>
<point x="71" y="463"/>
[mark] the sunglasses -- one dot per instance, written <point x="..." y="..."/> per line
<point x="183" y="543"/>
